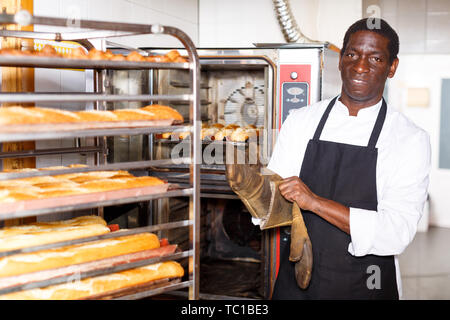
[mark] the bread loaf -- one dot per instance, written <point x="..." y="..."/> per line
<point x="81" y="177"/>
<point x="120" y="183"/>
<point x="96" y="115"/>
<point x="163" y="112"/>
<point x="16" y="115"/>
<point x="47" y="51"/>
<point x="95" y="54"/>
<point x="47" y="115"/>
<point x="157" y="58"/>
<point x="135" y="56"/>
<point x="19" y="195"/>
<point x="59" y="257"/>
<point x="134" y="114"/>
<point x="41" y="187"/>
<point x="118" y="57"/>
<point x="39" y="233"/>
<point x="101" y="284"/>
<point x="77" y="53"/>
<point x="242" y="134"/>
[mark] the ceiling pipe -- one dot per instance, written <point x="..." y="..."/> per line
<point x="289" y="27"/>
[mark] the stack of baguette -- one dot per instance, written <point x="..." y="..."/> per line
<point x="94" y="54"/>
<point x="41" y="187"/>
<point x="37" y="115"/>
<point x="219" y="132"/>
<point x="41" y="233"/>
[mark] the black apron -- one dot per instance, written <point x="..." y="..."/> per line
<point x="346" y="174"/>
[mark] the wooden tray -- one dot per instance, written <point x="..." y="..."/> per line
<point x="77" y="199"/>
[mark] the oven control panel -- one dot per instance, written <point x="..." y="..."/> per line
<point x="294" y="89"/>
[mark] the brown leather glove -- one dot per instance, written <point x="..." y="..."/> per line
<point x="261" y="196"/>
<point x="300" y="249"/>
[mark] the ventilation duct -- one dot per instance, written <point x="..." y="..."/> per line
<point x="289" y="26"/>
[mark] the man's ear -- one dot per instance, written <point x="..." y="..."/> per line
<point x="339" y="63"/>
<point x="393" y="68"/>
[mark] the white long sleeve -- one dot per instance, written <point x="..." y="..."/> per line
<point x="390" y="229"/>
<point x="403" y="166"/>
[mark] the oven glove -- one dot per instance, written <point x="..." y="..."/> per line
<point x="262" y="198"/>
<point x="300" y="248"/>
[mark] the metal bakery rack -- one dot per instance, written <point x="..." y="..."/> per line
<point x="99" y="30"/>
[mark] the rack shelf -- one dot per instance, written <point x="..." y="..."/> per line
<point x="60" y="131"/>
<point x="102" y="30"/>
<point x="65" y="63"/>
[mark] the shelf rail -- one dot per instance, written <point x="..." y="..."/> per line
<point x="111" y="29"/>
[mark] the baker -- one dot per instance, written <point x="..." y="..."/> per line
<point x="358" y="169"/>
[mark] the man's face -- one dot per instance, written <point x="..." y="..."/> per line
<point x="364" y="68"/>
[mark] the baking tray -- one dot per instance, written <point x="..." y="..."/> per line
<point x="57" y="62"/>
<point x="150" y="288"/>
<point x="9" y="133"/>
<point x="184" y="192"/>
<point x="73" y="126"/>
<point x="72" y="200"/>
<point x="91" y="266"/>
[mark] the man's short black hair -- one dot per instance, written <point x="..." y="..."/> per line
<point x="379" y="26"/>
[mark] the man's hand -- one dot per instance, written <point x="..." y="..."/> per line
<point x="294" y="190"/>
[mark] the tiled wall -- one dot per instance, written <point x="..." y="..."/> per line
<point x="422" y="25"/>
<point x="182" y="14"/>
<point x="237" y="23"/>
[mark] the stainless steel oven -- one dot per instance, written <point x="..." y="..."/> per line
<point x="256" y="86"/>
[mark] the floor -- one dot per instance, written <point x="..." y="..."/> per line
<point x="425" y="266"/>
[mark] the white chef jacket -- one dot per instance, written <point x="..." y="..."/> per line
<point x="403" y="166"/>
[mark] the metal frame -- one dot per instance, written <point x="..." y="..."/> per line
<point x="102" y="30"/>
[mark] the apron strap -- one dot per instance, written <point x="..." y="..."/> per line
<point x="378" y="126"/>
<point x="324" y="119"/>
<point x="376" y="129"/>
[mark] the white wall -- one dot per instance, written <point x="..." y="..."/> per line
<point x="426" y="71"/>
<point x="240" y="23"/>
<point x="182" y="14"/>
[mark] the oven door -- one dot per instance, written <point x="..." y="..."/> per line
<point x="235" y="90"/>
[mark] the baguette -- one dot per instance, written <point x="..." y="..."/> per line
<point x="39" y="233"/>
<point x="95" y="54"/>
<point x="34" y="237"/>
<point x="18" y="115"/>
<point x="163" y="112"/>
<point x="48" y="115"/>
<point x="79" y="253"/>
<point x="134" y="114"/>
<point x="80" y="177"/>
<point x="96" y="115"/>
<point x="101" y="284"/>
<point x="19" y="195"/>
<point x="42" y="187"/>
<point x="42" y="226"/>
<point x="120" y="183"/>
